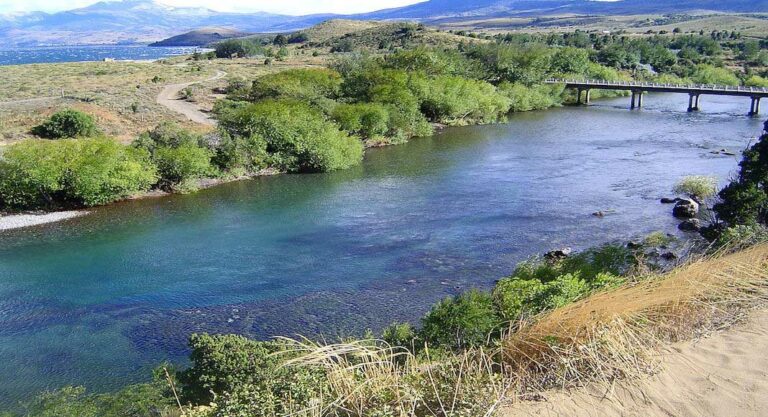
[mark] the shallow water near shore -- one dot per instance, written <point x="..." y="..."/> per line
<point x="98" y="300"/>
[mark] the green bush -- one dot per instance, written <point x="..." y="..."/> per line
<point x="455" y="100"/>
<point x="457" y="322"/>
<point x="300" y="84"/>
<point x="247" y="377"/>
<point x="241" y="155"/>
<point x="66" y="124"/>
<point x="181" y="157"/>
<point x="364" y="119"/>
<point x="139" y="400"/>
<point x="523" y="98"/>
<point x="708" y="74"/>
<point x="697" y="187"/>
<point x="238" y="48"/>
<point x="745" y="200"/>
<point x="298" y="137"/>
<point x="72" y="172"/>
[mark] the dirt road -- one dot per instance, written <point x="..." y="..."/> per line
<point x="169" y="98"/>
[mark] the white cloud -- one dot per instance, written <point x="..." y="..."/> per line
<point x="295" y="7"/>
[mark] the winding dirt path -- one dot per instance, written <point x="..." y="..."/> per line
<point x="169" y="97"/>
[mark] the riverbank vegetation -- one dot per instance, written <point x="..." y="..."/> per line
<point x="378" y="93"/>
<point x="560" y="322"/>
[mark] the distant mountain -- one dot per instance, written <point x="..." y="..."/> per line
<point x="201" y="37"/>
<point x="440" y="9"/>
<point x="145" y="21"/>
<point x="134" y="21"/>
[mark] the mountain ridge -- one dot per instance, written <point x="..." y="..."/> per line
<point x="146" y="21"/>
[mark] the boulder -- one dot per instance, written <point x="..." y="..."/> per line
<point x="686" y="209"/>
<point x="690" y="225"/>
<point x="633" y="244"/>
<point x="558" y="254"/>
<point x="669" y="256"/>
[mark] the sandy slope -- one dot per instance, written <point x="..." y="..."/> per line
<point x="724" y="375"/>
<point x="169" y="97"/>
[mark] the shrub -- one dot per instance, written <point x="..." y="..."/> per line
<point x="133" y="401"/>
<point x="180" y="166"/>
<point x="697" y="187"/>
<point x="523" y="98"/>
<point x="238" y="48"/>
<point x="708" y="74"/>
<point x="299" y="84"/>
<point x="241" y="154"/>
<point x="462" y="321"/>
<point x="456" y="101"/>
<point x="364" y="119"/>
<point x="298" y="137"/>
<point x="247" y="377"/>
<point x="72" y="172"/>
<point x="66" y="124"/>
<point x="400" y="334"/>
<point x="745" y="200"/>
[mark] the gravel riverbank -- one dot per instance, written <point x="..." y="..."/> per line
<point x="17" y="221"/>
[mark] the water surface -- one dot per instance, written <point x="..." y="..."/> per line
<point x="98" y="300"/>
<point x="52" y="54"/>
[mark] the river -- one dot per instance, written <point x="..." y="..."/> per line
<point x="99" y="300"/>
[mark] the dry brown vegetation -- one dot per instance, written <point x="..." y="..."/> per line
<point x="609" y="336"/>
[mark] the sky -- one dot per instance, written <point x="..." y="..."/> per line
<point x="295" y="7"/>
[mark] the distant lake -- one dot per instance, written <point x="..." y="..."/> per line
<point x="39" y="55"/>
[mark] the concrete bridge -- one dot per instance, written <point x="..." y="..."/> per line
<point x="638" y="88"/>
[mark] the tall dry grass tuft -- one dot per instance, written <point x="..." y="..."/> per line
<point x="616" y="333"/>
<point x="608" y="336"/>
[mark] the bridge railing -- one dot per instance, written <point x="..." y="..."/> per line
<point x="639" y="84"/>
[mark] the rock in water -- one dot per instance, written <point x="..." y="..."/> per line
<point x="686" y="209"/>
<point x="667" y="200"/>
<point x="558" y="254"/>
<point x="690" y="225"/>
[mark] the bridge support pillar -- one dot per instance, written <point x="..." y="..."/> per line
<point x="693" y="102"/>
<point x="634" y="99"/>
<point x="578" y="96"/>
<point x="587" y="96"/>
<point x="754" y="109"/>
<point x="640" y="99"/>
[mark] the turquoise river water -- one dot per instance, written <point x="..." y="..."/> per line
<point x="99" y="300"/>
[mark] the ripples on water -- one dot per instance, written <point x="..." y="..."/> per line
<point x="100" y="299"/>
<point x="88" y="53"/>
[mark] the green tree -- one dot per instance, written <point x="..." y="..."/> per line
<point x="298" y="137"/>
<point x="66" y="124"/>
<point x="745" y="200"/>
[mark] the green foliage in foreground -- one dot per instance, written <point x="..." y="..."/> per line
<point x="66" y="124"/>
<point x="141" y="400"/>
<point x="71" y="173"/>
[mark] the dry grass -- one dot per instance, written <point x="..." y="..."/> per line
<point x="608" y="336"/>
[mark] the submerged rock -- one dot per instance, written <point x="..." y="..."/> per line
<point x="690" y="225"/>
<point x="686" y="209"/>
<point x="558" y="254"/>
<point x="667" y="200"/>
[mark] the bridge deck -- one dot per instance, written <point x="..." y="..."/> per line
<point x="722" y="90"/>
